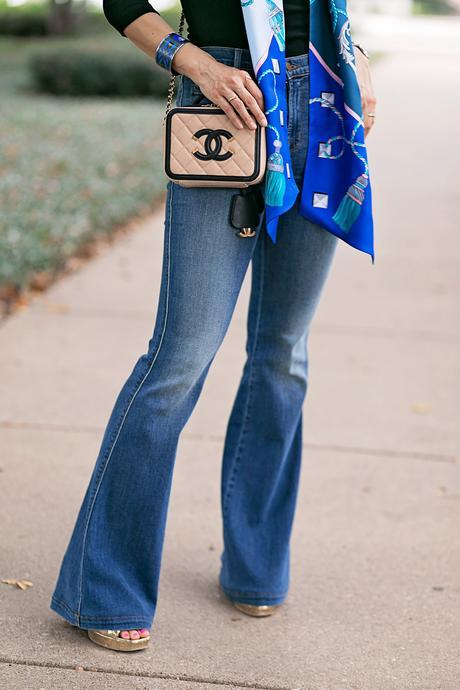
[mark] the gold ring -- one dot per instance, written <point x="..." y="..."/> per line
<point x="231" y="99"/>
<point x="370" y="114"/>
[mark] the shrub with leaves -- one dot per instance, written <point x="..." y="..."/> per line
<point x="14" y="22"/>
<point x="435" y="7"/>
<point x="86" y="73"/>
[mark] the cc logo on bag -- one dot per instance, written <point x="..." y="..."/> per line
<point x="213" y="144"/>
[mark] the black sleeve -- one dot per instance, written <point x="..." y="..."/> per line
<point x="120" y="13"/>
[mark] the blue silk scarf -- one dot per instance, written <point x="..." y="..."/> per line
<point x="336" y="192"/>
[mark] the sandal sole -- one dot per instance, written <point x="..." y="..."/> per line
<point x="118" y="644"/>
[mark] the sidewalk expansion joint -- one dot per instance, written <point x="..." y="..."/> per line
<point x="387" y="333"/>
<point x="158" y="676"/>
<point x="446" y="458"/>
<point x="44" y="426"/>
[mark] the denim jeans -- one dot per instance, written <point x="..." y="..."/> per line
<point x="109" y="574"/>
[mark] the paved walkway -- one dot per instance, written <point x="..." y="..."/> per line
<point x="375" y="594"/>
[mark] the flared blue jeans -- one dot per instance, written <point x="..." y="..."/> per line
<point x="110" y="571"/>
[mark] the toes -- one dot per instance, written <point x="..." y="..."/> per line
<point x="134" y="634"/>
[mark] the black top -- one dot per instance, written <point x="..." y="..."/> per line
<point x="217" y="23"/>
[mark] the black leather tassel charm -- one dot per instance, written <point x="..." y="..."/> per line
<point x="245" y="211"/>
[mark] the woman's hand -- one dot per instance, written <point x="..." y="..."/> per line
<point x="230" y="88"/>
<point x="368" y="99"/>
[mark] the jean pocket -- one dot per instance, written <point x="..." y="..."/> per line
<point x="190" y="94"/>
<point x="198" y="98"/>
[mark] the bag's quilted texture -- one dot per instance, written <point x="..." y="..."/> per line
<point x="183" y="126"/>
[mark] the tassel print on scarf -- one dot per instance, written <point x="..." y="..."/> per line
<point x="335" y="191"/>
<point x="275" y="180"/>
<point x="276" y="21"/>
<point x="350" y="207"/>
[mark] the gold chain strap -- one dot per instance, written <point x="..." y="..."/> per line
<point x="172" y="81"/>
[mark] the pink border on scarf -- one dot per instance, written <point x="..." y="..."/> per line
<point x="334" y="76"/>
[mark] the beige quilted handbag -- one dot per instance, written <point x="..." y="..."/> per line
<point x="203" y="148"/>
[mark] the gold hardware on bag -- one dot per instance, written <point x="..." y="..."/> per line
<point x="246" y="232"/>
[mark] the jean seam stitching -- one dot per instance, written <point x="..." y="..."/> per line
<point x="125" y="414"/>
<point x="63" y="604"/>
<point x="67" y="608"/>
<point x="253" y="594"/>
<point x="240" y="445"/>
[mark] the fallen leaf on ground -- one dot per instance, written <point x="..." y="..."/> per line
<point x="22" y="584"/>
<point x="420" y="408"/>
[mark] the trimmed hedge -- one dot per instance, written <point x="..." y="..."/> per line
<point x="83" y="73"/>
<point x="434" y="7"/>
<point x="23" y="23"/>
<point x="34" y="20"/>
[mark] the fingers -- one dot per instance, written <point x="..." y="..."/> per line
<point x="237" y="104"/>
<point x="249" y="102"/>
<point x="254" y="90"/>
<point x="369" y="105"/>
<point x="246" y="104"/>
<point x="369" y="120"/>
<point x="247" y="108"/>
<point x="240" y="98"/>
<point x="367" y="91"/>
<point x="228" y="110"/>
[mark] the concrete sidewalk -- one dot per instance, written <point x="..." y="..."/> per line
<point x="375" y="594"/>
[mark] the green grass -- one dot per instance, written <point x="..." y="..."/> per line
<point x="434" y="7"/>
<point x="70" y="169"/>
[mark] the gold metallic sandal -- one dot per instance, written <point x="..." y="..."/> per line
<point x="258" y="611"/>
<point x="111" y="640"/>
<point x="254" y="610"/>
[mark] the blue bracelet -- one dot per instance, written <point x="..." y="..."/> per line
<point x="167" y="49"/>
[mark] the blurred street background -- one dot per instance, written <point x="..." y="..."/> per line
<point x="375" y="597"/>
